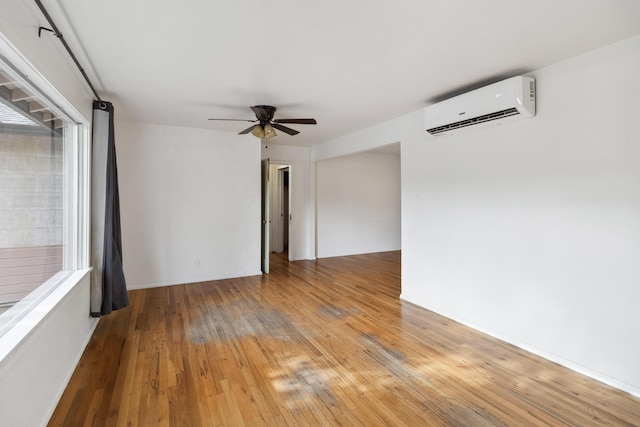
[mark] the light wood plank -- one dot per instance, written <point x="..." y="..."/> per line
<point x="324" y="342"/>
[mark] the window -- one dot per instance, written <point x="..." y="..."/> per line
<point x="42" y="195"/>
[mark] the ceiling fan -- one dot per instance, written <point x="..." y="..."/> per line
<point x="266" y="123"/>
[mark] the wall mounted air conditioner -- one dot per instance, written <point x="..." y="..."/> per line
<point x="510" y="99"/>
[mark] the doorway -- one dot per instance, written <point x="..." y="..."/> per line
<point x="277" y="215"/>
<point x="280" y="210"/>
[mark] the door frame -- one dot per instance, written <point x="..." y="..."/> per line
<point x="280" y="220"/>
<point x="264" y="216"/>
<point x="265" y="181"/>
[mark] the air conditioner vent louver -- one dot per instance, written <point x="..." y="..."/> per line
<point x="505" y="101"/>
<point x="474" y="121"/>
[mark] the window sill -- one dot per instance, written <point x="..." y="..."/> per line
<point x="19" y="321"/>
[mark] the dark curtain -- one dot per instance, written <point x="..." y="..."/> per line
<point x="108" y="258"/>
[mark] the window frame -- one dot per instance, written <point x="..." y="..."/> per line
<point x="19" y="320"/>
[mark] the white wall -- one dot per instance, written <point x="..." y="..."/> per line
<point x="358" y="204"/>
<point x="190" y="204"/>
<point x="35" y="371"/>
<point x="530" y="231"/>
<point x="302" y="243"/>
<point x="373" y="137"/>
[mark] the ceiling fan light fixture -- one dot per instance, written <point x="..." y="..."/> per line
<point x="258" y="132"/>
<point x="269" y="131"/>
<point x="265" y="123"/>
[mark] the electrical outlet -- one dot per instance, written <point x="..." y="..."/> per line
<point x="197" y="262"/>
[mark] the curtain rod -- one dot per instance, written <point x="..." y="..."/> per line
<point x="57" y="33"/>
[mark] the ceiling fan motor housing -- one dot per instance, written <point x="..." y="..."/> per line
<point x="264" y="113"/>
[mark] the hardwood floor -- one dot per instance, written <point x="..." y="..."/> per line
<point x="316" y="343"/>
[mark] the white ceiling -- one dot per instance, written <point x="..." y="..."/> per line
<point x="349" y="64"/>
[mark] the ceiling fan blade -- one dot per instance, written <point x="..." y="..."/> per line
<point x="236" y="120"/>
<point x="297" y="121"/>
<point x="247" y="130"/>
<point x="285" y="129"/>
